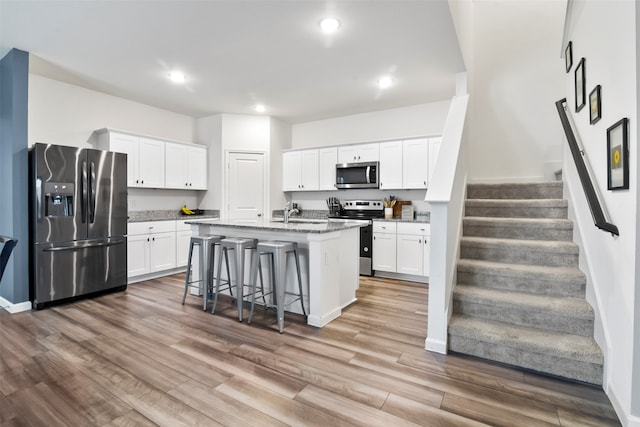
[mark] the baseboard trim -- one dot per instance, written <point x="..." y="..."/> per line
<point x="627" y="420"/>
<point x="436" y="346"/>
<point x="15" y="308"/>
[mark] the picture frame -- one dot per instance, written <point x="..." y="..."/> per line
<point x="595" y="105"/>
<point x="580" y="92"/>
<point x="568" y="56"/>
<point x="618" y="155"/>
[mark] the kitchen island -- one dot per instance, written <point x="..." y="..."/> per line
<point x="329" y="259"/>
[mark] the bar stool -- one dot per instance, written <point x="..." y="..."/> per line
<point x="278" y="252"/>
<point x="238" y="245"/>
<point x="207" y="246"/>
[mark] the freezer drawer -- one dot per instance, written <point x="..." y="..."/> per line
<point x="78" y="268"/>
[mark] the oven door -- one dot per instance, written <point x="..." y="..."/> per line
<point x="366" y="246"/>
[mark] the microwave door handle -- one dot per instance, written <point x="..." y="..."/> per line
<point x="83" y="185"/>
<point x="368" y="174"/>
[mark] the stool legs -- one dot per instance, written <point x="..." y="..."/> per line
<point x="186" y="282"/>
<point x="295" y="255"/>
<point x="223" y="251"/>
<point x="280" y="262"/>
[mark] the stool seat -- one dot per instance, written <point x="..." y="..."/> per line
<point x="238" y="245"/>
<point x="278" y="252"/>
<point x="207" y="245"/>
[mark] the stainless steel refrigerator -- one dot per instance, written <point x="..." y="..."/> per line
<point x="78" y="222"/>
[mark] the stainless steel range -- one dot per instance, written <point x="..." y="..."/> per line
<point x="366" y="211"/>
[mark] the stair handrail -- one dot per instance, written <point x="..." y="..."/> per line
<point x="597" y="213"/>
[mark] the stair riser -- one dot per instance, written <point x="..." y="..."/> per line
<point x="515" y="255"/>
<point x="531" y="191"/>
<point x="573" y="369"/>
<point x="565" y="288"/>
<point x="523" y="233"/>
<point x="516" y="212"/>
<point x="526" y="316"/>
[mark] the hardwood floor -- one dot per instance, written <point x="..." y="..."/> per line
<point x="140" y="358"/>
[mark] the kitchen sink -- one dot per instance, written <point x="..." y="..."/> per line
<point x="302" y="221"/>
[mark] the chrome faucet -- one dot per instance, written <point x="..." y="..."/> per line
<point x="288" y="212"/>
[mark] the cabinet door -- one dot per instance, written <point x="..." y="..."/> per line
<point x="197" y="167"/>
<point x="151" y="163"/>
<point x="368" y="152"/>
<point x="415" y="163"/>
<point x="176" y="166"/>
<point x="409" y="254"/>
<point x="183" y="239"/>
<point x="390" y="165"/>
<point x="291" y="167"/>
<point x="137" y="255"/>
<point x="163" y="251"/>
<point x="426" y="255"/>
<point x="309" y="170"/>
<point x="327" y="159"/>
<point x="129" y="145"/>
<point x="347" y="154"/>
<point x="384" y="252"/>
<point x="434" y="149"/>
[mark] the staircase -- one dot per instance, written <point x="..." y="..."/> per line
<point x="519" y="297"/>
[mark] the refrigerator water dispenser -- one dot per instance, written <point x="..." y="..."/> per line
<point x="58" y="198"/>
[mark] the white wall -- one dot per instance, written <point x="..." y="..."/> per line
<point x="60" y="113"/>
<point x="397" y="123"/>
<point x="280" y="139"/>
<point x="514" y="70"/>
<point x="611" y="61"/>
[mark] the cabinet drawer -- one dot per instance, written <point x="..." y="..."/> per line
<point x="415" y="228"/>
<point x="384" y="227"/>
<point x="147" y="227"/>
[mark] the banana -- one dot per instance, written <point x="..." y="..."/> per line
<point x="187" y="211"/>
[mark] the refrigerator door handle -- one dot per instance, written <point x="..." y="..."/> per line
<point x="39" y="201"/>
<point x="83" y="185"/>
<point x="92" y="192"/>
<point x="80" y="247"/>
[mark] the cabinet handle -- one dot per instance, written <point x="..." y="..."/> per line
<point x="153" y="238"/>
<point x="142" y="182"/>
<point x="148" y="240"/>
<point x="425" y="183"/>
<point x="137" y="181"/>
<point x="419" y="240"/>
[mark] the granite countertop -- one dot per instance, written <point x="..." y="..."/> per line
<point x="168" y="215"/>
<point x="421" y="220"/>
<point x="300" y="226"/>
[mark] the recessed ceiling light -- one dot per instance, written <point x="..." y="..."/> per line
<point x="177" y="77"/>
<point x="384" y="82"/>
<point x="260" y="108"/>
<point x="329" y="25"/>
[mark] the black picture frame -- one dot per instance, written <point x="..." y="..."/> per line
<point x="618" y="155"/>
<point x="595" y="105"/>
<point x="568" y="56"/>
<point x="579" y="85"/>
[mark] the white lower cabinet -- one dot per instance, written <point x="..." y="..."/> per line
<point x="402" y="248"/>
<point x="183" y="239"/>
<point x="151" y="247"/>
<point x="384" y="246"/>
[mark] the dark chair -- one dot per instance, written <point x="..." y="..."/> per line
<point x="7" y="246"/>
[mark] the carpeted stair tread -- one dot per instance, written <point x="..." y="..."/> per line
<point x="517" y="208"/>
<point x="542" y="279"/>
<point x="560" y="314"/>
<point x="534" y="252"/>
<point x="517" y="190"/>
<point x="518" y="228"/>
<point x="565" y="355"/>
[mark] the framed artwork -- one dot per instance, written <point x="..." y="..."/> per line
<point x="595" y="105"/>
<point x="568" y="56"/>
<point x="580" y="91"/>
<point x="618" y="156"/>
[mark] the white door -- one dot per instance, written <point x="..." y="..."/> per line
<point x="245" y="187"/>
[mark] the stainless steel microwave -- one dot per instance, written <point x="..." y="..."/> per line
<point x="358" y="175"/>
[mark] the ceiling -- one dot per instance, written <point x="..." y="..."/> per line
<point x="239" y="53"/>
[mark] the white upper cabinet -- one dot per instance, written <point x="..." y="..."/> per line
<point x="145" y="157"/>
<point x="359" y="153"/>
<point x="391" y="165"/>
<point x="415" y="163"/>
<point x="327" y="159"/>
<point x="151" y="163"/>
<point x="186" y="166"/>
<point x="300" y="170"/>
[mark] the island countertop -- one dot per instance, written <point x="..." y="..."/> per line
<point x="294" y="225"/>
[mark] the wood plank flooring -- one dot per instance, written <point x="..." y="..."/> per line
<point x="140" y="358"/>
